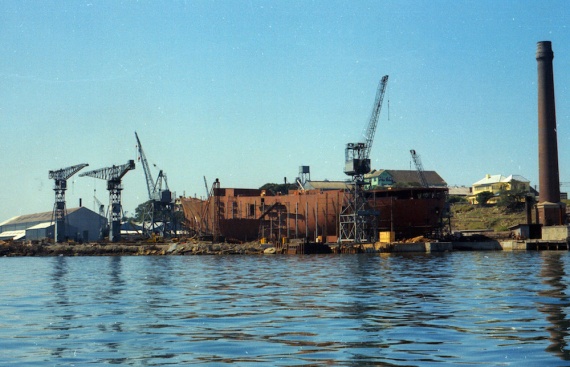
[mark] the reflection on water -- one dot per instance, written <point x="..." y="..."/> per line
<point x="391" y="310"/>
<point x="554" y="302"/>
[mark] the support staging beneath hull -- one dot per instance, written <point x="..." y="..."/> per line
<point x="358" y="222"/>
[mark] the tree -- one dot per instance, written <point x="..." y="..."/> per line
<point x="483" y="197"/>
<point x="512" y="200"/>
<point x="455" y="199"/>
<point x="275" y="189"/>
<point x="142" y="210"/>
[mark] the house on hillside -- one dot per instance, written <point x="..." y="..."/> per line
<point x="460" y="191"/>
<point x="401" y="178"/>
<point x="498" y="183"/>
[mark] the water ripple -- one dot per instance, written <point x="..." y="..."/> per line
<point x="493" y="308"/>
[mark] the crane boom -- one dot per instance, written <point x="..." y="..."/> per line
<point x="111" y="173"/>
<point x="419" y="167"/>
<point x="207" y="190"/>
<point x="373" y="122"/>
<point x="65" y="173"/>
<point x="146" y="169"/>
<point x="357" y="155"/>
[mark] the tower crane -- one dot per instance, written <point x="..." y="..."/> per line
<point x="160" y="200"/>
<point x="419" y="167"/>
<point x="60" y="178"/>
<point x="355" y="219"/>
<point x="113" y="175"/>
<point x="207" y="190"/>
<point x="357" y="155"/>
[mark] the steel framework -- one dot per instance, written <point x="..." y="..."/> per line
<point x="113" y="175"/>
<point x="59" y="214"/>
<point x="160" y="201"/>
<point x="356" y="221"/>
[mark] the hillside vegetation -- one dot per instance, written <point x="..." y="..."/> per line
<point x="498" y="218"/>
<point x="473" y="217"/>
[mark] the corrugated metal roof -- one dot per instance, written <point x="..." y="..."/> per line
<point x="518" y="178"/>
<point x="374" y="173"/>
<point x="407" y="176"/>
<point x="42" y="225"/>
<point x="36" y="217"/>
<point x="432" y="177"/>
<point x="326" y="185"/>
<point x="13" y="235"/>
<point x="8" y="221"/>
<point x="491" y="179"/>
<point x="459" y="190"/>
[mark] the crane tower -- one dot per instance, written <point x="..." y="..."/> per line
<point x="357" y="222"/>
<point x="59" y="212"/>
<point x="160" y="206"/>
<point x="113" y="175"/>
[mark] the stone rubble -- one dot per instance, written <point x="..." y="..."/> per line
<point x="134" y="249"/>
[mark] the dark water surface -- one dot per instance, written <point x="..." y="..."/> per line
<point x="482" y="308"/>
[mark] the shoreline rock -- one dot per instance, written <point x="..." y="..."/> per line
<point x="18" y="249"/>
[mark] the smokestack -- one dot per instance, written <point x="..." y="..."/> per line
<point x="550" y="208"/>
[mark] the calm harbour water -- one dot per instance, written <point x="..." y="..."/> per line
<point x="476" y="308"/>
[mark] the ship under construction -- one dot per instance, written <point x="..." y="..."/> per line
<point x="340" y="212"/>
<point x="241" y="215"/>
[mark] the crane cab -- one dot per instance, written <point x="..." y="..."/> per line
<point x="355" y="162"/>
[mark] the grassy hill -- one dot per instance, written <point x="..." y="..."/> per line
<point x="472" y="217"/>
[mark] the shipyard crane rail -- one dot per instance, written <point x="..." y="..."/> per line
<point x="60" y="177"/>
<point x="419" y="167"/>
<point x="113" y="175"/>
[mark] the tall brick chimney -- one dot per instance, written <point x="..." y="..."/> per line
<point x="550" y="210"/>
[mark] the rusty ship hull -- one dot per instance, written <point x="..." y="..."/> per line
<point x="249" y="214"/>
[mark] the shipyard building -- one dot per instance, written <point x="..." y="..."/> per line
<point x="83" y="225"/>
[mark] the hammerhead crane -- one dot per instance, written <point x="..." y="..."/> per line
<point x="59" y="212"/>
<point x="354" y="219"/>
<point x="160" y="199"/>
<point x="113" y="175"/>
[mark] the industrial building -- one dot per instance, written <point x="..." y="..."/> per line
<point x="83" y="225"/>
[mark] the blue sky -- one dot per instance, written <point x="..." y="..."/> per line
<point x="248" y="91"/>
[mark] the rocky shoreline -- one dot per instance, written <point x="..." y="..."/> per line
<point x="13" y="249"/>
